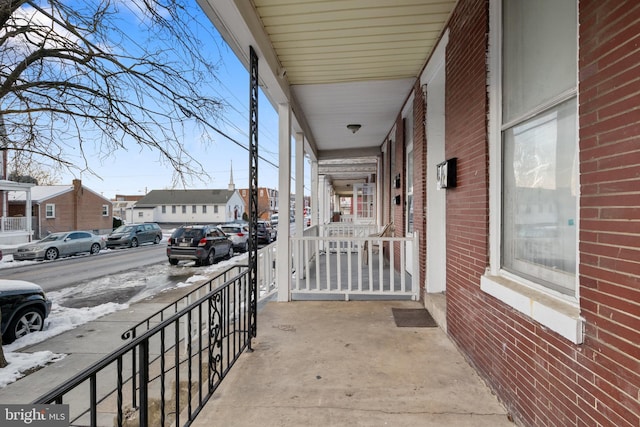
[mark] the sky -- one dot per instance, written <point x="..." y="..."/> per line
<point x="136" y="171"/>
<point x="63" y="319"/>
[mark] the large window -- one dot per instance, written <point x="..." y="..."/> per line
<point x="539" y="137"/>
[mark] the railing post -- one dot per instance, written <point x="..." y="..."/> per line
<point x="144" y="383"/>
<point x="253" y="194"/>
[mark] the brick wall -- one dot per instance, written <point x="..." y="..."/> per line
<point x="609" y="59"/>
<point x="543" y="379"/>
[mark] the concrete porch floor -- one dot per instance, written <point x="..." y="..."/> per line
<point x="347" y="364"/>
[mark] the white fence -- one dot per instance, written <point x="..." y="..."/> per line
<point x="346" y="260"/>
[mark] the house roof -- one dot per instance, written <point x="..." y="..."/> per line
<point x="40" y="193"/>
<point x="184" y="197"/>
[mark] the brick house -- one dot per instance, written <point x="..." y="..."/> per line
<point x="63" y="208"/>
<point x="531" y="261"/>
<point x="267" y="201"/>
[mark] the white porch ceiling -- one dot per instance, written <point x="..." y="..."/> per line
<point x="336" y="61"/>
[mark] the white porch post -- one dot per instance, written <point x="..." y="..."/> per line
<point x="314" y="193"/>
<point x="299" y="215"/>
<point x="283" y="255"/>
<point x="28" y="214"/>
<point x="323" y="200"/>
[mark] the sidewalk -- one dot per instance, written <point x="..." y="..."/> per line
<point x="83" y="346"/>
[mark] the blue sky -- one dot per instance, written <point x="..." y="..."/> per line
<point x="136" y="171"/>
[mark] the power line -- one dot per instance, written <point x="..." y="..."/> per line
<point x="239" y="144"/>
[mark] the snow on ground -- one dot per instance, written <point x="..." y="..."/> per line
<point x="64" y="318"/>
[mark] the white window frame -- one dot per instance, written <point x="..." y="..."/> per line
<point x="105" y="210"/>
<point x="52" y="214"/>
<point x="558" y="312"/>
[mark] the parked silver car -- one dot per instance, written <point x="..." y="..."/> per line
<point x="239" y="235"/>
<point x="60" y="244"/>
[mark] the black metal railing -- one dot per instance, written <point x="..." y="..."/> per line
<point x="178" y="364"/>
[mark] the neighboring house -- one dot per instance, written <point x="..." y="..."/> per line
<point x="63" y="208"/>
<point x="189" y="207"/>
<point x="267" y="201"/>
<point x="123" y="206"/>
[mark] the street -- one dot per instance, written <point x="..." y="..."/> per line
<point x="64" y="272"/>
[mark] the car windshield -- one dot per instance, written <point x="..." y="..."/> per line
<point x="123" y="229"/>
<point x="231" y="229"/>
<point x="53" y="237"/>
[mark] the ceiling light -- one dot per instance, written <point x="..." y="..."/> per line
<point x="354" y="127"/>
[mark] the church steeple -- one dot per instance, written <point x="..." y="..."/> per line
<point x="232" y="186"/>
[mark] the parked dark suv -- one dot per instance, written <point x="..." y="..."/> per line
<point x="204" y="244"/>
<point x="132" y="235"/>
<point x="266" y="234"/>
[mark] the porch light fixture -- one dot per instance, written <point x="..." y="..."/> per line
<point x="354" y="127"/>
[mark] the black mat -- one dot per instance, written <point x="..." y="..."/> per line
<point x="413" y="318"/>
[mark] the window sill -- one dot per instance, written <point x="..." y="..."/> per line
<point x="560" y="316"/>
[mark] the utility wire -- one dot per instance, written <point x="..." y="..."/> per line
<point x="239" y="144"/>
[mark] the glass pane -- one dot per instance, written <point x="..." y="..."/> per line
<point x="539" y="198"/>
<point x="539" y="53"/>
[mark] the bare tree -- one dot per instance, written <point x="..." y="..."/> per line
<point x="103" y="76"/>
<point x="78" y="78"/>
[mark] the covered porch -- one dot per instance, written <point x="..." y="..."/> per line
<point x="15" y="229"/>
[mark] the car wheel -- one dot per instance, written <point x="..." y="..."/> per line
<point x="134" y="243"/>
<point x="26" y="321"/>
<point x="51" y="254"/>
<point x="156" y="240"/>
<point x="211" y="257"/>
<point x="230" y="254"/>
<point x="95" y="248"/>
<point x="173" y="261"/>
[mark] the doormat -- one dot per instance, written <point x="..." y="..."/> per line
<point x="413" y="318"/>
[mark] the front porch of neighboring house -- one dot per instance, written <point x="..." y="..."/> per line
<point x="18" y="229"/>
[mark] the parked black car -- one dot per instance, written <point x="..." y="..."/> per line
<point x="204" y="244"/>
<point x="132" y="235"/>
<point x="24" y="307"/>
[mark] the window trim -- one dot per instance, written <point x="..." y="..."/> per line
<point x="558" y="312"/>
<point x="105" y="210"/>
<point x="53" y="211"/>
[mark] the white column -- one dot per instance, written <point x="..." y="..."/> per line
<point x="283" y="255"/>
<point x="299" y="184"/>
<point x="28" y="214"/>
<point x="314" y="194"/>
<point x="322" y="200"/>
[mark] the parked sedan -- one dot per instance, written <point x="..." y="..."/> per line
<point x="239" y="235"/>
<point x="24" y="308"/>
<point x="132" y="235"/>
<point x="204" y="244"/>
<point x="60" y="244"/>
